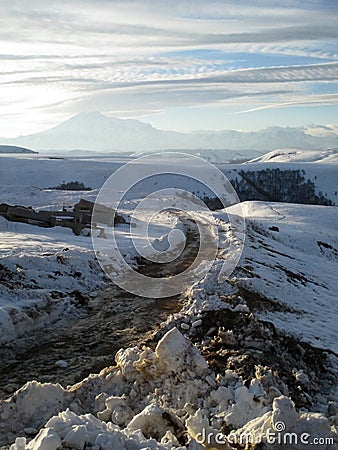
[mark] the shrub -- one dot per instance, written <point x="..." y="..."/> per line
<point x="72" y="186"/>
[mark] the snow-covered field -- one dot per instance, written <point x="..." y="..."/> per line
<point x="278" y="312"/>
<point x="26" y="178"/>
<point x="42" y="271"/>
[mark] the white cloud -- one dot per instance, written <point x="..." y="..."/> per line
<point x="115" y="54"/>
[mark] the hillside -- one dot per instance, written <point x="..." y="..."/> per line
<point x="14" y="149"/>
<point x="297" y="155"/>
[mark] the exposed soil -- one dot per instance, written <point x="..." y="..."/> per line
<point x="115" y="320"/>
<point x="88" y="343"/>
<point x="254" y="348"/>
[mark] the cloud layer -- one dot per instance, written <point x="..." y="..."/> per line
<point x="137" y="57"/>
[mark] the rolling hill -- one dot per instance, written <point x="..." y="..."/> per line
<point x="14" y="149"/>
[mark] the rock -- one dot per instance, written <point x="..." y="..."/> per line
<point x="169" y="438"/>
<point x="241" y="308"/>
<point x="121" y="415"/>
<point x="301" y="377"/>
<point x="62" y="364"/>
<point x="104" y="415"/>
<point x="30" y="431"/>
<point x="196" y="323"/>
<point x="227" y="337"/>
<point x="331" y="409"/>
<point x="211" y="331"/>
<point x="113" y="401"/>
<point x="125" y="359"/>
<point x="273" y="393"/>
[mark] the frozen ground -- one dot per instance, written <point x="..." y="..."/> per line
<point x="260" y="335"/>
<point x="291" y="258"/>
<point x="44" y="273"/>
<point x="230" y="360"/>
<point x="25" y="179"/>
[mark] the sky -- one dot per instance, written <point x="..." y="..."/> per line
<point x="177" y="64"/>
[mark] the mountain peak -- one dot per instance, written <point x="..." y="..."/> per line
<point x="92" y="120"/>
<point x="93" y="130"/>
<point x="90" y="115"/>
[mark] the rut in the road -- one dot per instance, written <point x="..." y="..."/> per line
<point x="89" y="343"/>
<point x="115" y="320"/>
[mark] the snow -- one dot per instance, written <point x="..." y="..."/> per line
<point x="159" y="403"/>
<point x="295" y="267"/>
<point x="25" y="179"/>
<point x="41" y="268"/>
<point x="151" y="398"/>
<point x="303" y="231"/>
<point x="298" y="155"/>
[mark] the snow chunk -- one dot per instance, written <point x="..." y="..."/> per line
<point x="284" y="411"/>
<point x="176" y="352"/>
<point x="153" y="421"/>
<point x="246" y="407"/>
<point x="31" y="406"/>
<point x="47" y="439"/>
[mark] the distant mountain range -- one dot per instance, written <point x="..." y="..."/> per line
<point x="14" y="149"/>
<point x="96" y="132"/>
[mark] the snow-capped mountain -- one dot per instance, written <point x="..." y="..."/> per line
<point x="97" y="132"/>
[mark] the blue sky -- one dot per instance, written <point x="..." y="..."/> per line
<point x="177" y="64"/>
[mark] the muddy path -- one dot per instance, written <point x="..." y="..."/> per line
<point x="88" y="344"/>
<point x="114" y="319"/>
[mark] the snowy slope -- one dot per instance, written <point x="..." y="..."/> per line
<point x="287" y="273"/>
<point x="14" y="149"/>
<point x="41" y="271"/>
<point x="296" y="266"/>
<point x="297" y="155"/>
<point x="23" y="179"/>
